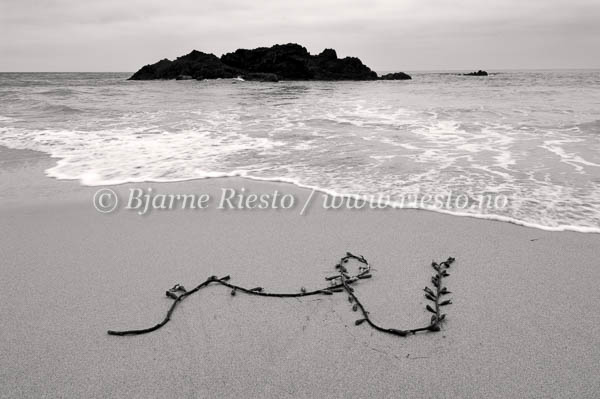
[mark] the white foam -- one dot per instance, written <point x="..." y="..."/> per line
<point x="116" y="157"/>
<point x="492" y="217"/>
<point x="574" y="160"/>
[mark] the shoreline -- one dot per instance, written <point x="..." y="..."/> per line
<point x="301" y="186"/>
<point x="519" y="325"/>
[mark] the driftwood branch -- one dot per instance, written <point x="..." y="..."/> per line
<point x="340" y="282"/>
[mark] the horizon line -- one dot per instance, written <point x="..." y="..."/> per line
<point x="375" y="70"/>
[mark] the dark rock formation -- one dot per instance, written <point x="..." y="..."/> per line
<point x="287" y="61"/>
<point x="327" y="66"/>
<point x="478" y="73"/>
<point x="196" y="64"/>
<point x="395" y="76"/>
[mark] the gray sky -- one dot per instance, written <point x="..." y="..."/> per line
<point x="123" y="35"/>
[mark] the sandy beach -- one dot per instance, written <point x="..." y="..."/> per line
<point x="523" y="321"/>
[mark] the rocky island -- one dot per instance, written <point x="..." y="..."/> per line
<point x="478" y="73"/>
<point x="279" y="62"/>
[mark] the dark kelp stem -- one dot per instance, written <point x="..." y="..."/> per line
<point x="340" y="282"/>
<point x="440" y="290"/>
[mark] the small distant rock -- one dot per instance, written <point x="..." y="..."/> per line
<point x="478" y="73"/>
<point x="395" y="76"/>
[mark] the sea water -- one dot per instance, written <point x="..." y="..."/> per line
<point x="531" y="136"/>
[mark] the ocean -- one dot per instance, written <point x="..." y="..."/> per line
<point x="529" y="137"/>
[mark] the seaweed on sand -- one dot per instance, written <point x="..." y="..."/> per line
<point x="342" y="281"/>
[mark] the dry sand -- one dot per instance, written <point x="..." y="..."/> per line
<point x="524" y="322"/>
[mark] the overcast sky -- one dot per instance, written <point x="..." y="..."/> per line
<point x="123" y="35"/>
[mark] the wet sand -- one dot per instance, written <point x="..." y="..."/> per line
<point x="523" y="322"/>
